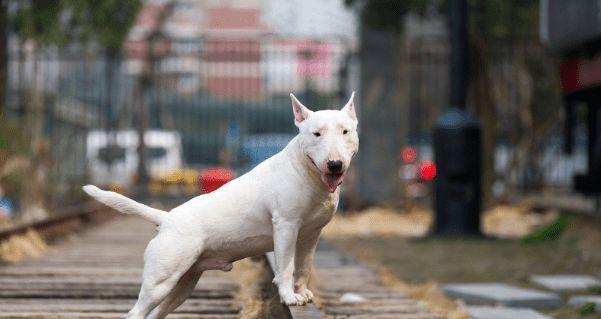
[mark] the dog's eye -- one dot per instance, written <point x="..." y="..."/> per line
<point x="344" y="132"/>
<point x="317" y="134"/>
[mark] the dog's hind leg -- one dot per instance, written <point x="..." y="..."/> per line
<point x="165" y="261"/>
<point x="183" y="289"/>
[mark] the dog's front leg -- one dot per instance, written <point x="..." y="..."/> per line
<point x="305" y="249"/>
<point x="285" y="233"/>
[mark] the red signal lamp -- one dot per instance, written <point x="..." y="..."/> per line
<point x="408" y="154"/>
<point x="427" y="170"/>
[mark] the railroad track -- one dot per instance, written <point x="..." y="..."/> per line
<point x="97" y="274"/>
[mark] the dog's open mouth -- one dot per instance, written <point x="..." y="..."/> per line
<point x="332" y="180"/>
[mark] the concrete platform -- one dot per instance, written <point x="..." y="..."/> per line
<point x="348" y="289"/>
<point x="502" y="295"/>
<point x="566" y="282"/>
<point x="583" y="300"/>
<point x="505" y="313"/>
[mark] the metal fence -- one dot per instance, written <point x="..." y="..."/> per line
<point x="225" y="103"/>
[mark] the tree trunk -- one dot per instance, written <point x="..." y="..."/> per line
<point x="482" y="88"/>
<point x="3" y="58"/>
<point x="145" y="83"/>
<point x="380" y="115"/>
<point x="33" y="201"/>
<point x="34" y="186"/>
<point x="142" y="177"/>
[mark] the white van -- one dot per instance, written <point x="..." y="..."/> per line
<point x="117" y="164"/>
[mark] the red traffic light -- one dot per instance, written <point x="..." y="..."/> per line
<point x="427" y="170"/>
<point x="408" y="154"/>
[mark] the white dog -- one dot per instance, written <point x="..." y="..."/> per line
<point x="281" y="205"/>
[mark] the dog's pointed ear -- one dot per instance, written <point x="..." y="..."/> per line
<point x="349" y="108"/>
<point x="301" y="112"/>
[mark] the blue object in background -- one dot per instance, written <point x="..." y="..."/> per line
<point x="257" y="148"/>
<point x="6" y="207"/>
<point x="232" y="135"/>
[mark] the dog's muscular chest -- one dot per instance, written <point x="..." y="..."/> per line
<point x="318" y="214"/>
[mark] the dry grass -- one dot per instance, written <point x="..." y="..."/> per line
<point x="500" y="221"/>
<point x="376" y="222"/>
<point x="431" y="295"/>
<point x="428" y="294"/>
<point x="250" y="275"/>
<point x="5" y="222"/>
<point x="505" y="221"/>
<point x="18" y="247"/>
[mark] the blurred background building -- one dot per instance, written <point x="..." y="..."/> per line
<point x="207" y="83"/>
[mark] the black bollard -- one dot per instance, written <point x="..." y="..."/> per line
<point x="457" y="143"/>
<point x="457" y="151"/>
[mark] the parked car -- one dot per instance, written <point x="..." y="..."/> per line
<point x="112" y="159"/>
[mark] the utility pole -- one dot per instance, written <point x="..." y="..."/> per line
<point x="458" y="68"/>
<point x="457" y="142"/>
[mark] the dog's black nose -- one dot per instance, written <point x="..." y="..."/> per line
<point x="335" y="166"/>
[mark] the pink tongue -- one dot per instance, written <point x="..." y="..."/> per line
<point x="332" y="181"/>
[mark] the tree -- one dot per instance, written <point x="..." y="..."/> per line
<point x="102" y="22"/>
<point x="98" y="24"/>
<point x="505" y="57"/>
<point x="514" y="86"/>
<point x="105" y="23"/>
<point x="143" y="86"/>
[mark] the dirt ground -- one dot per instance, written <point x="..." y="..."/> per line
<point x="429" y="261"/>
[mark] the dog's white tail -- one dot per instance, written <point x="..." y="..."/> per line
<point x="125" y="205"/>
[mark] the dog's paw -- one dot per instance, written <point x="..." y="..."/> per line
<point x="307" y="294"/>
<point x="292" y="299"/>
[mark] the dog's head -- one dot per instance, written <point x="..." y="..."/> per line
<point x="328" y="139"/>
